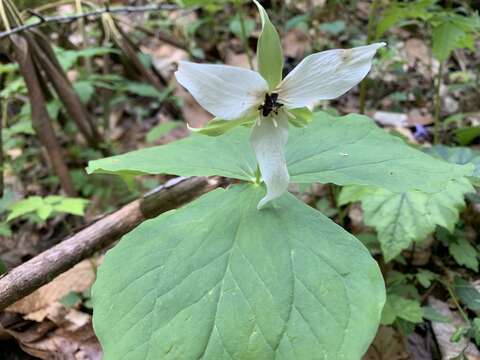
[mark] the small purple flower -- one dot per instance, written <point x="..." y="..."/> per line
<point x="421" y="132"/>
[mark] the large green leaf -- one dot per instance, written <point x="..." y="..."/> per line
<point x="401" y="218"/>
<point x="220" y="280"/>
<point x="349" y="150"/>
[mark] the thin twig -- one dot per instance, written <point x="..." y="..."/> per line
<point x="107" y="10"/>
<point x="372" y="18"/>
<point x="437" y="106"/>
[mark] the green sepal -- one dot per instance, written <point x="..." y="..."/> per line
<point x="301" y="117"/>
<point x="218" y="127"/>
<point x="269" y="51"/>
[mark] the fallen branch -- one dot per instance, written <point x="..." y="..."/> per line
<point x="26" y="278"/>
<point x="42" y="20"/>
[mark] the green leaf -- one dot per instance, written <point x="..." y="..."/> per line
<point x="466" y="135"/>
<point x="400" y="307"/>
<point x="74" y="206"/>
<point x="476" y="330"/>
<point x="464" y="253"/>
<point x="445" y="38"/>
<point x="235" y="27"/>
<point x="160" y="130"/>
<point x="5" y="229"/>
<point x="434" y="315"/>
<point x="425" y="277"/>
<point x="218" y="279"/>
<point x="44" y="207"/>
<point x="401" y="218"/>
<point x="467" y="293"/>
<point x="458" y="155"/>
<point x="334" y="28"/>
<point x="85" y="90"/>
<point x="68" y="58"/>
<point x="398" y="12"/>
<point x="25" y="206"/>
<point x="218" y="127"/>
<point x="269" y="51"/>
<point x="342" y="150"/>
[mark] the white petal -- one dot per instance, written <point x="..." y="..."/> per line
<point x="268" y="142"/>
<point x="228" y="92"/>
<point x="326" y="75"/>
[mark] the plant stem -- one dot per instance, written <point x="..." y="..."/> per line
<point x="244" y="39"/>
<point x="81" y="25"/>
<point x="437" y="104"/>
<point x="457" y="304"/>
<point x="370" y="37"/>
<point x="3" y="122"/>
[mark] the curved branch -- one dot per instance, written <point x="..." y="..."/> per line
<point x="26" y="278"/>
<point x="65" y="19"/>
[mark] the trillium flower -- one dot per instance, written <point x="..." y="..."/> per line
<point x="239" y="95"/>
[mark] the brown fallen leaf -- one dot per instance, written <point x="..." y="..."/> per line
<point x="387" y="345"/>
<point x="165" y="58"/>
<point x="77" y="279"/>
<point x="296" y="44"/>
<point x="72" y="339"/>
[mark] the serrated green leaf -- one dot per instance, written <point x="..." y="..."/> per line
<point x="398" y="12"/>
<point x="341" y="150"/>
<point x="467" y="293"/>
<point x="74" y="206"/>
<point x="25" y="206"/>
<point x="464" y="253"/>
<point x="219" y="279"/>
<point x="44" y="211"/>
<point x="401" y="218"/>
<point x="458" y="155"/>
<point x="445" y="38"/>
<point x="44" y="207"/>
<point x="269" y="51"/>
<point x="400" y="307"/>
<point x="425" y="277"/>
<point x="434" y="315"/>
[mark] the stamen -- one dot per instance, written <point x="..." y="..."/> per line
<point x="274" y="122"/>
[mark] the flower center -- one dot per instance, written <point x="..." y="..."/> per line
<point x="270" y="104"/>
